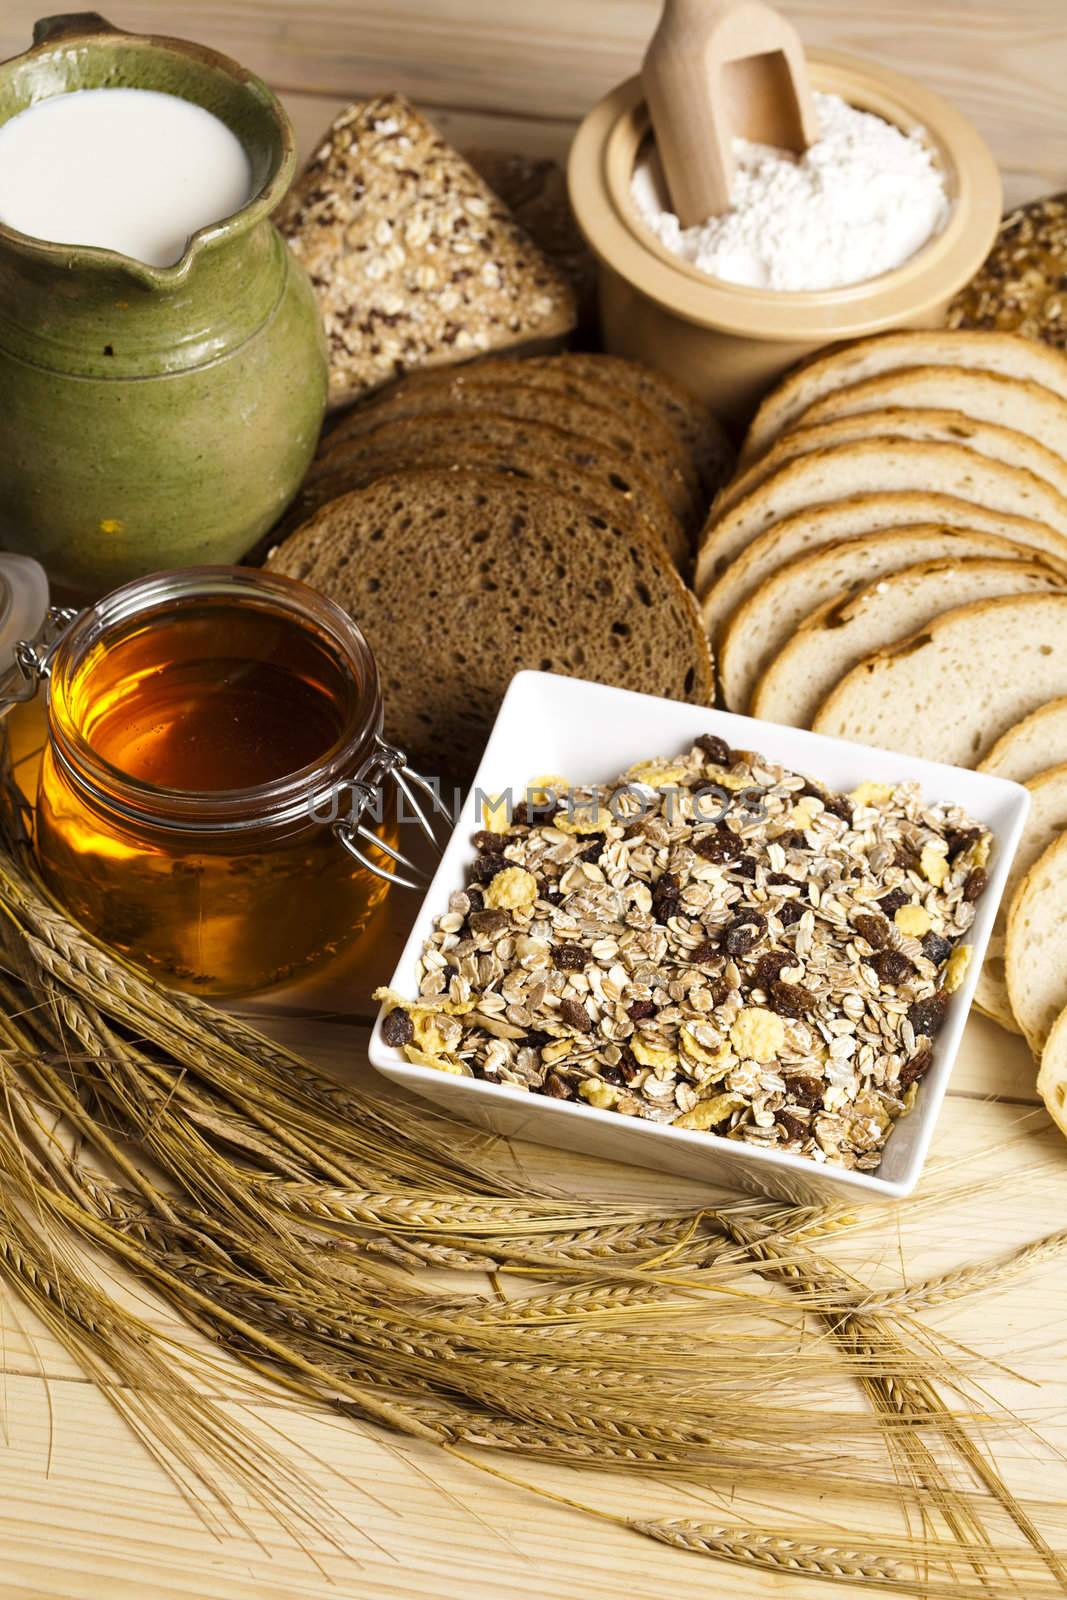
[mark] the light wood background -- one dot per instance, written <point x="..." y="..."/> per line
<point x="84" y="1513"/>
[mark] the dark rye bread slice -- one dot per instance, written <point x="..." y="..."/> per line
<point x="563" y="402"/>
<point x="534" y="450"/>
<point x="461" y="579"/>
<point x="695" y="427"/>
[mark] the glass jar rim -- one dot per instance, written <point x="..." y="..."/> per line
<point x="290" y="798"/>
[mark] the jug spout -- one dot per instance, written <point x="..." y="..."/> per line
<point x="49" y="29"/>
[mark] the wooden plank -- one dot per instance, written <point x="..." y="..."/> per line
<point x="1004" y="65"/>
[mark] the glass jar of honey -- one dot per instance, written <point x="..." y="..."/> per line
<point x="208" y="732"/>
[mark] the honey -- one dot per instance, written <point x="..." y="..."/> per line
<point x="199" y="724"/>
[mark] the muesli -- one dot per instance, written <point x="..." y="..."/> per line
<point x="713" y="942"/>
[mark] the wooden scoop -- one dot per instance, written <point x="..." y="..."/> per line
<point x="716" y="69"/>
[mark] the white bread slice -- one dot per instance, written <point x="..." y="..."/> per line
<point x="984" y="396"/>
<point x="868" y="358"/>
<point x="853" y="518"/>
<point x="1052" y="1078"/>
<point x="1038" y="741"/>
<point x="898" y="422"/>
<point x="952" y="688"/>
<point x="878" y="465"/>
<point x="837" y="634"/>
<point x="1047" y="820"/>
<point x="1036" y="946"/>
<point x="763" y="625"/>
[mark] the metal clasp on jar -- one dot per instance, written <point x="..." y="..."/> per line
<point x="387" y="762"/>
<point x="33" y="658"/>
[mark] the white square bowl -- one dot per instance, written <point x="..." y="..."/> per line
<point x="591" y="733"/>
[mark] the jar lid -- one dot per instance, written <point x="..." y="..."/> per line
<point x="23" y="603"/>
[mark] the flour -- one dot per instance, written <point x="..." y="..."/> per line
<point x="860" y="201"/>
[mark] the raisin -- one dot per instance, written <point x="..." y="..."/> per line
<point x="398" y="1028"/>
<point x="838" y="806"/>
<point x="550" y="892"/>
<point x="795" y="1127"/>
<point x="629" y="1067"/>
<point x="743" y="932"/>
<point x="488" y="921"/>
<point x="974" y="884"/>
<point x="665" y="896"/>
<point x="575" y="1015"/>
<point x="793" y="840"/>
<point x="569" y="958"/>
<point x="527" y="815"/>
<point x="928" y="1016"/>
<point x="715" y="749"/>
<point x="638" y="1010"/>
<point x="960" y="839"/>
<point x="813" y="791"/>
<point x="520" y="815"/>
<point x="891" y="903"/>
<point x="475" y="897"/>
<point x="805" y="1091"/>
<point x="916" y="1067"/>
<point x="555" y="1086"/>
<point x="721" y="845"/>
<point x="769" y="966"/>
<point x="746" y="867"/>
<point x="490" y="844"/>
<point x="790" y="912"/>
<point x="706" y="950"/>
<point x="872" y="928"/>
<point x="937" y="948"/>
<point x="791" y="999"/>
<point x="485" y="868"/>
<point x="781" y="880"/>
<point x="613" y="1075"/>
<point x="904" y="856"/>
<point x="536" y="1040"/>
<point x="892" y="966"/>
<point x="634" y="830"/>
<point x="591" y="851"/>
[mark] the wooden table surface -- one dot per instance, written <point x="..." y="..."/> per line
<point x="84" y="1512"/>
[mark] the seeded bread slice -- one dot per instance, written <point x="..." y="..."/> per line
<point x="1047" y="820"/>
<point x="986" y="396"/>
<point x="413" y="259"/>
<point x="1035" y="946"/>
<point x="951" y="689"/>
<point x="697" y="430"/>
<point x="643" y="438"/>
<point x="1038" y="741"/>
<point x="855" y="517"/>
<point x="896" y="423"/>
<point x="830" y="640"/>
<point x="868" y="358"/>
<point x="534" y="450"/>
<point x="878" y="465"/>
<point x="1052" y="1078"/>
<point x="460" y="579"/>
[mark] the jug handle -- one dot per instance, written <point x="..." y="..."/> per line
<point x="47" y="29"/>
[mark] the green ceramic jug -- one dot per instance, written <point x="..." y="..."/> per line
<point x="154" y="417"/>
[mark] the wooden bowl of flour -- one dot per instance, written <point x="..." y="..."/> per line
<point x="729" y="343"/>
